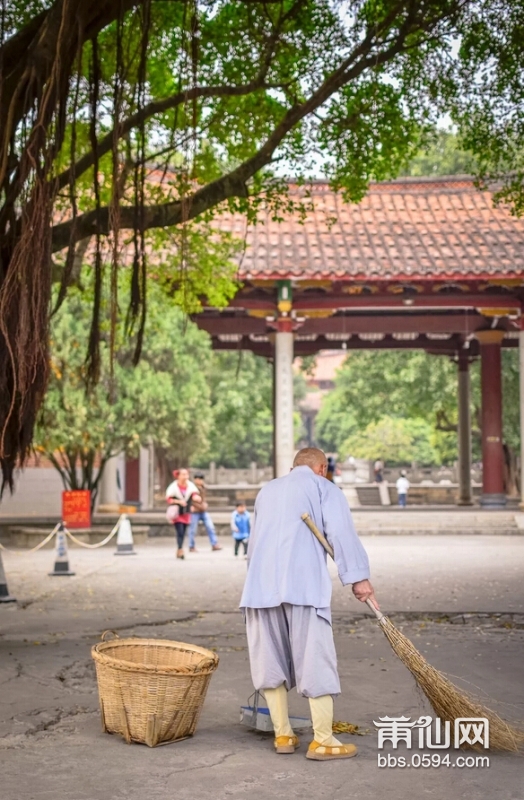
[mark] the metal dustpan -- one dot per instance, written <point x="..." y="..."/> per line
<point x="257" y="717"/>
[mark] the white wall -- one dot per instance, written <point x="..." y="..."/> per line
<point x="38" y="492"/>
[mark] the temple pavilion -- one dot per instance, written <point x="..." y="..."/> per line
<point x="425" y="263"/>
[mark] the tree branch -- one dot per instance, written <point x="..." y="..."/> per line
<point x="234" y="183"/>
<point x="28" y="57"/>
<point x="151" y="109"/>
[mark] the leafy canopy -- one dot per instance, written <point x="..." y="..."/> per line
<point x="408" y="401"/>
<point x="165" y="399"/>
<point x="120" y="117"/>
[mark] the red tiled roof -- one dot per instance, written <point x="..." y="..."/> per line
<point x="409" y="228"/>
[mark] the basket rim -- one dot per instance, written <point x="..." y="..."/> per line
<point x="132" y="666"/>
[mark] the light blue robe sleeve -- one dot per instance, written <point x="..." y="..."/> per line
<point x="350" y="557"/>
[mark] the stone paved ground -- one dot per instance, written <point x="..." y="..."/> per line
<point x="51" y="744"/>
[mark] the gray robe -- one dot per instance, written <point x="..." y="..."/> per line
<point x="287" y="594"/>
<point x="286" y="564"/>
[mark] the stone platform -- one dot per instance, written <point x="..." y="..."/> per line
<point x="433" y="521"/>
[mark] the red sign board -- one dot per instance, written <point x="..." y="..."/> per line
<point x="76" y="509"/>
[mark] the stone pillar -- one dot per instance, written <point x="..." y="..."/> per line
<point x="146" y="477"/>
<point x="521" y="379"/>
<point x="465" y="497"/>
<point x="110" y="494"/>
<point x="283" y="407"/>
<point x="493" y="494"/>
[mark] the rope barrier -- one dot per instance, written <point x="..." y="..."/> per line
<point x="33" y="549"/>
<point x="93" y="546"/>
<point x="68" y="533"/>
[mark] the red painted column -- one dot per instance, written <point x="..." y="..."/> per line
<point x="464" y="431"/>
<point x="493" y="494"/>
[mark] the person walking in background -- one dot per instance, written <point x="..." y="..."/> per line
<point x="199" y="513"/>
<point x="331" y="467"/>
<point x="240" y="526"/>
<point x="402" y="489"/>
<point x="378" y="468"/>
<point x="179" y="495"/>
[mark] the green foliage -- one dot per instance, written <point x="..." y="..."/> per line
<point x="241" y="402"/>
<point x="370" y="133"/>
<point x="165" y="398"/>
<point x="487" y="101"/>
<point x="241" y="431"/>
<point x="394" y="440"/>
<point x="292" y="87"/>
<point x="195" y="263"/>
<point x="405" y="385"/>
<point x="511" y="398"/>
<point x="442" y="155"/>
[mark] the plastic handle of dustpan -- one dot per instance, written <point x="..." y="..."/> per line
<point x="105" y="634"/>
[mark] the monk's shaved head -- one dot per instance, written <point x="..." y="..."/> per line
<point x="311" y="457"/>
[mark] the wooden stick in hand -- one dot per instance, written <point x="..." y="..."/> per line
<point x="315" y="531"/>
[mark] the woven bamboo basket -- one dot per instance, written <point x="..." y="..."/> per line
<point x="151" y="690"/>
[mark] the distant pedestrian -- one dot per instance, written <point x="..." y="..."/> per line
<point x="241" y="526"/>
<point x="179" y="495"/>
<point x="331" y="468"/>
<point x="402" y="489"/>
<point x="199" y="513"/>
<point x="378" y="470"/>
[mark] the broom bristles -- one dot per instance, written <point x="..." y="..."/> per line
<point x="449" y="702"/>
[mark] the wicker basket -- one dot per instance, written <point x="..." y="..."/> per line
<point x="151" y="690"/>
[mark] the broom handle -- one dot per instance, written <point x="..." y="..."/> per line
<point x="327" y="547"/>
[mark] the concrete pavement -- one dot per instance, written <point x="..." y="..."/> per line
<point x="51" y="744"/>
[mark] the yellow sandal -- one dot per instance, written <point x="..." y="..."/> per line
<point x="286" y="744"/>
<point x="323" y="752"/>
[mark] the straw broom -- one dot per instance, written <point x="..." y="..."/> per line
<point x="448" y="702"/>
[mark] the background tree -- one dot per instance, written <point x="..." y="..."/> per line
<point x="488" y="96"/>
<point x="442" y="155"/>
<point x="374" y="387"/>
<point x="393" y="440"/>
<point x="213" y="95"/>
<point x="404" y="385"/>
<point x="241" y="386"/>
<point x="165" y="398"/>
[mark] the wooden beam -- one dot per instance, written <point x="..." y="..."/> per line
<point x="220" y="324"/>
<point x="446" y="347"/>
<point x="407" y="322"/>
<point x="395" y="323"/>
<point x="419" y="301"/>
<point x="329" y="301"/>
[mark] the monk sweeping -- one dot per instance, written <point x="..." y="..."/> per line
<point x="287" y="598"/>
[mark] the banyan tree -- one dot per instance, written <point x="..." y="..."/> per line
<point x="123" y="118"/>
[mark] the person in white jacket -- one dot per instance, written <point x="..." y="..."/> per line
<point x="287" y="598"/>
<point x="402" y="489"/>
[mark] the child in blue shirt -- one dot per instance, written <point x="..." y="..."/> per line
<point x="240" y="526"/>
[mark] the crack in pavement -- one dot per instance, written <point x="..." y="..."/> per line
<point x="12" y="741"/>
<point x="221" y="760"/>
<point x="503" y="619"/>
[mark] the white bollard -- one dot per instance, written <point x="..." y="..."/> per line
<point x="5" y="597"/>
<point x="61" y="566"/>
<point x="124" y="538"/>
